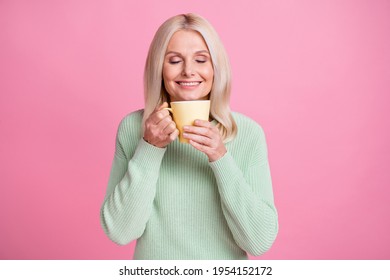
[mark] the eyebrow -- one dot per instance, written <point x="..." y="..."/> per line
<point x="177" y="53"/>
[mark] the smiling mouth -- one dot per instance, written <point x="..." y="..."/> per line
<point x="188" y="84"/>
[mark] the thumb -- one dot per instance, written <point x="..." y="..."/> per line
<point x="162" y="106"/>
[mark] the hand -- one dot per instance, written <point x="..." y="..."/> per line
<point x="160" y="129"/>
<point x="205" y="137"/>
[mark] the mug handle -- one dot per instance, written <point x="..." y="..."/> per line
<point x="169" y="109"/>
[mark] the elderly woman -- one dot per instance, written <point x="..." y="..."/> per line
<point x="209" y="199"/>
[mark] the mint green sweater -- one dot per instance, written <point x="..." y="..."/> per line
<point x="178" y="205"/>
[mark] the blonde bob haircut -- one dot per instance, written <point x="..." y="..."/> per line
<point x="154" y="90"/>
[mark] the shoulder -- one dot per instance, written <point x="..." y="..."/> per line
<point x="250" y="145"/>
<point x="250" y="140"/>
<point x="131" y="124"/>
<point x="130" y="120"/>
<point x="247" y="126"/>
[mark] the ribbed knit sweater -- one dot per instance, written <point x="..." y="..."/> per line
<point x="178" y="205"/>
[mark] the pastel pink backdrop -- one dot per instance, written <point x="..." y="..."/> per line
<point x="314" y="74"/>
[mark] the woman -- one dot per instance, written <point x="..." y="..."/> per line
<point x="210" y="199"/>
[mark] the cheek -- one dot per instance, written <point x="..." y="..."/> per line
<point x="209" y="82"/>
<point x="165" y="74"/>
<point x="168" y="74"/>
<point x="167" y="77"/>
<point x="209" y="75"/>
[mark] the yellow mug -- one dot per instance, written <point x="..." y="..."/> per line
<point x="186" y="112"/>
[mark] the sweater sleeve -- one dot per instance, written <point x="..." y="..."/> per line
<point x="131" y="189"/>
<point x="247" y="198"/>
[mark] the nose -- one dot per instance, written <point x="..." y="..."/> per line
<point x="188" y="69"/>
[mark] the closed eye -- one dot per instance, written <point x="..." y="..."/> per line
<point x="174" y="62"/>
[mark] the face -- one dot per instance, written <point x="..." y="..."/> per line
<point x="187" y="72"/>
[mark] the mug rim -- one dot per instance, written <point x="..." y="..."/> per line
<point x="187" y="101"/>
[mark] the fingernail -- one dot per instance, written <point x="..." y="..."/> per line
<point x="185" y="127"/>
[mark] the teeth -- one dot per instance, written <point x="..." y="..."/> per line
<point x="189" y="83"/>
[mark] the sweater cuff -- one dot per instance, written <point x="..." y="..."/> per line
<point x="148" y="156"/>
<point x="225" y="169"/>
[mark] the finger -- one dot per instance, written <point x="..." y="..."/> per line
<point x="162" y="106"/>
<point x="158" y="116"/>
<point x="203" y="123"/>
<point x="170" y="128"/>
<point x="198" y="138"/>
<point x="205" y="131"/>
<point x="174" y="135"/>
<point x="163" y="123"/>
<point x="198" y="146"/>
<point x="159" y="108"/>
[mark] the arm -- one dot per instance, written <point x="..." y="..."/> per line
<point x="247" y="201"/>
<point x="246" y="194"/>
<point x="131" y="190"/>
<point x="132" y="184"/>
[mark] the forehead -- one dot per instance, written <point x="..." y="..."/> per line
<point x="183" y="40"/>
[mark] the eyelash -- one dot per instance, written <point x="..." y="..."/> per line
<point x="176" y="62"/>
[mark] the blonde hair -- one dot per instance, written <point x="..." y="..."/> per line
<point x="154" y="91"/>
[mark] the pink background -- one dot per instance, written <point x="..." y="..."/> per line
<point x="314" y="74"/>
